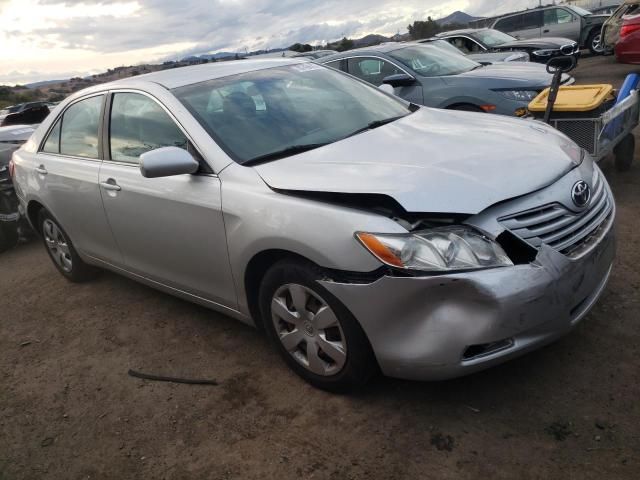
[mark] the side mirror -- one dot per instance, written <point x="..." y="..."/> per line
<point x="399" y="80"/>
<point x="387" y="89"/>
<point x="167" y="162"/>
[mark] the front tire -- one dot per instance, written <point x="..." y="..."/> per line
<point x="62" y="252"/>
<point x="595" y="43"/>
<point x="314" y="332"/>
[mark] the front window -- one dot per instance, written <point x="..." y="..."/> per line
<point x="557" y="16"/>
<point x="372" y="70"/>
<point x="493" y="38"/>
<point x="254" y="115"/>
<point x="139" y="125"/>
<point x="433" y="61"/>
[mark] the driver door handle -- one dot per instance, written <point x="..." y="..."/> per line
<point x="110" y="185"/>
<point x="41" y="170"/>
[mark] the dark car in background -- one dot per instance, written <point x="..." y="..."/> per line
<point x="12" y="224"/>
<point x="30" y="113"/>
<point x="566" y="21"/>
<point x="479" y="40"/>
<point x="481" y="56"/>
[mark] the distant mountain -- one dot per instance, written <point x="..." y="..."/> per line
<point x="370" y="40"/>
<point x="458" y="18"/>
<point x="43" y="84"/>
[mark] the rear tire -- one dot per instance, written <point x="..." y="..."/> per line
<point x="62" y="252"/>
<point x="314" y="332"/>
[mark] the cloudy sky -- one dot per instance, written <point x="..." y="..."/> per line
<point x="57" y="39"/>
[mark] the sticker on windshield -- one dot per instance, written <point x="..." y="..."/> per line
<point x="306" y="67"/>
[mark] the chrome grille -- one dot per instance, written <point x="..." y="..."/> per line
<point x="560" y="228"/>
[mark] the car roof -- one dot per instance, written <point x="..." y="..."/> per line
<point x="183" y="76"/>
<point x="372" y="50"/>
<point x="462" y="31"/>
<point x="533" y="9"/>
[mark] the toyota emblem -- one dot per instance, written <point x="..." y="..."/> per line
<point x="581" y="194"/>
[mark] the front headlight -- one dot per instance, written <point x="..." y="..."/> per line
<point x="545" y="53"/>
<point x="518" y="95"/>
<point x="437" y="250"/>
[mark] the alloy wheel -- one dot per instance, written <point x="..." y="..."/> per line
<point x="596" y="45"/>
<point x="58" y="245"/>
<point x="309" y="329"/>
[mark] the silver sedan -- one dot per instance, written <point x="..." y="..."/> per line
<point x="362" y="233"/>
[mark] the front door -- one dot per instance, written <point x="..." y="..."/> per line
<point x="170" y="230"/>
<point x="530" y="25"/>
<point x="560" y="22"/>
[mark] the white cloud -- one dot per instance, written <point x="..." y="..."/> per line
<point x="53" y="36"/>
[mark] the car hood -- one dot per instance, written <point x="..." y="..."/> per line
<point x="433" y="161"/>
<point x="522" y="73"/>
<point x="597" y="17"/>
<point x="495" y="56"/>
<point x="16" y="133"/>
<point x="538" y="43"/>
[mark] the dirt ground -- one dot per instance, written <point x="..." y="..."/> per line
<point x="68" y="409"/>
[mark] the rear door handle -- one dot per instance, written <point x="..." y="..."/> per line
<point x="111" y="185"/>
<point x="545" y="31"/>
<point x="41" y="170"/>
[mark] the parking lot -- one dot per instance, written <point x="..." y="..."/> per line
<point x="68" y="408"/>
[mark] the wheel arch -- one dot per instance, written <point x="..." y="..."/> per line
<point x="34" y="207"/>
<point x="256" y="269"/>
<point x="456" y="105"/>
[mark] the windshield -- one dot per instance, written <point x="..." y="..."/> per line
<point x="493" y="38"/>
<point x="256" y="114"/>
<point x="445" y="46"/>
<point x="580" y="11"/>
<point x="9" y="110"/>
<point x="431" y="61"/>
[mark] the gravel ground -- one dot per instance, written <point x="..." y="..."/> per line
<point x="69" y="410"/>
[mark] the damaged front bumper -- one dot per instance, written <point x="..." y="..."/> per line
<point x="439" y="327"/>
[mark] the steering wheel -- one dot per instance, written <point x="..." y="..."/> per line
<point x="432" y="70"/>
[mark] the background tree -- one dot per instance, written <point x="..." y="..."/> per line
<point x="301" y="47"/>
<point x="424" y="29"/>
<point x="344" y="44"/>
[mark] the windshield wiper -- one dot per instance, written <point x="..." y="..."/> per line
<point x="285" y="152"/>
<point x="375" y="124"/>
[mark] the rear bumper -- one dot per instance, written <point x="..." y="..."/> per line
<point x="434" y="328"/>
<point x="628" y="49"/>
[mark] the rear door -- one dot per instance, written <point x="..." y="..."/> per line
<point x="66" y="170"/>
<point x="170" y="229"/>
<point x="560" y="22"/>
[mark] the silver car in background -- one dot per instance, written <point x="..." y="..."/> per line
<point x="431" y="75"/>
<point x="361" y="232"/>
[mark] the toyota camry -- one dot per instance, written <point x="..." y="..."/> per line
<point x="361" y="232"/>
